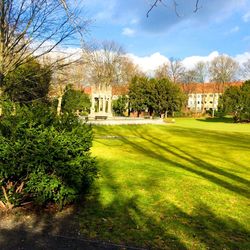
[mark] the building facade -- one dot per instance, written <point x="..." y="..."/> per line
<point x="205" y="96"/>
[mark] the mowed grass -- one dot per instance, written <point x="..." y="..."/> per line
<point x="176" y="186"/>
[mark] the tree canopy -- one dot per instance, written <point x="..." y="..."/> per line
<point x="28" y="82"/>
<point x="75" y="100"/>
<point x="236" y="100"/>
<point x="157" y="96"/>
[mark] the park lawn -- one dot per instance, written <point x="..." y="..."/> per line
<point x="176" y="186"/>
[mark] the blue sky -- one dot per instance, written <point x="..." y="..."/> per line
<point x="219" y="26"/>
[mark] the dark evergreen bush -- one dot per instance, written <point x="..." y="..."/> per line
<point x="44" y="158"/>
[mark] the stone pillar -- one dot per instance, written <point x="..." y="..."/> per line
<point x="92" y="110"/>
<point x="109" y="106"/>
<point x="104" y="104"/>
<point x="99" y="104"/>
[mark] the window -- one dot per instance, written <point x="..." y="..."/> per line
<point x="198" y="102"/>
<point x="211" y="95"/>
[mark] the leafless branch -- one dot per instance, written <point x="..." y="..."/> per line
<point x="175" y="3"/>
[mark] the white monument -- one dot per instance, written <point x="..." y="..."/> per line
<point x="101" y="100"/>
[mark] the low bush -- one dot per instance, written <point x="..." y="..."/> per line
<point x="44" y="158"/>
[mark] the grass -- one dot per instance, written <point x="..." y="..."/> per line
<point x="178" y="186"/>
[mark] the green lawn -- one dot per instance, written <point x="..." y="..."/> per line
<point x="176" y="186"/>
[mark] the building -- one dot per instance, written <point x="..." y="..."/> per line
<point x="205" y="96"/>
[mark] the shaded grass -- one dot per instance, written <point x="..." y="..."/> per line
<point x="179" y="186"/>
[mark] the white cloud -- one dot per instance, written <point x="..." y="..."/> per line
<point x="149" y="64"/>
<point x="241" y="58"/>
<point x="246" y="17"/>
<point x="189" y="62"/>
<point x="128" y="32"/>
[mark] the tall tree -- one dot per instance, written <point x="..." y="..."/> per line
<point x="29" y="82"/>
<point x="162" y="71"/>
<point x="104" y="63"/>
<point x="223" y="69"/>
<point x="201" y="69"/>
<point x="246" y="69"/>
<point x="137" y="97"/>
<point x="175" y="70"/>
<point x="236" y="100"/>
<point x="33" y="28"/>
<point x="169" y="97"/>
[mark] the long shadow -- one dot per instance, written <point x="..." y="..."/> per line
<point x="199" y="162"/>
<point x="200" y="167"/>
<point x="217" y="119"/>
<point x="164" y="226"/>
<point x="123" y="223"/>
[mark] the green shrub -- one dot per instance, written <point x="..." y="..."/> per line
<point x="47" y="155"/>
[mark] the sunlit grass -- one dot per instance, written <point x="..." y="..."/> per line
<point x="174" y="186"/>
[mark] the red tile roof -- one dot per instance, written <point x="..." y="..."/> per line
<point x="210" y="87"/>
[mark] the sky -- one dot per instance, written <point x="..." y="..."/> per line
<point x="218" y="27"/>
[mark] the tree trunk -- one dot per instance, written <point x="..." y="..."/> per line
<point x="59" y="105"/>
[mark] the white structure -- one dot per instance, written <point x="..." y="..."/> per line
<point x="203" y="101"/>
<point x="101" y="100"/>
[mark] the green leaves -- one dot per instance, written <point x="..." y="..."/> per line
<point x="50" y="153"/>
<point x="155" y="95"/>
<point x="237" y="101"/>
<point x="74" y="100"/>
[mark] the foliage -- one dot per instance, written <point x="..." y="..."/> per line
<point x="137" y="98"/>
<point x="158" y="96"/>
<point x="120" y="105"/>
<point x="236" y="100"/>
<point x="74" y="100"/>
<point x="28" y="82"/>
<point x="169" y="97"/>
<point x="48" y="155"/>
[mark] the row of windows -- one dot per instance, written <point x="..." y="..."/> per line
<point x="199" y="96"/>
<point x="198" y="102"/>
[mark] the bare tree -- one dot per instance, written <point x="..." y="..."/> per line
<point x="104" y="63"/>
<point x="189" y="76"/>
<point x="175" y="70"/>
<point x="246" y="69"/>
<point x="162" y="71"/>
<point x="31" y="28"/>
<point x="127" y="70"/>
<point x="201" y="69"/>
<point x="223" y="69"/>
<point x="66" y="73"/>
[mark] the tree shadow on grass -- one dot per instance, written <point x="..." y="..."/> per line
<point x="217" y="119"/>
<point x="192" y="163"/>
<point x="165" y="226"/>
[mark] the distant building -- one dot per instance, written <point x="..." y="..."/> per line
<point x="205" y="96"/>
